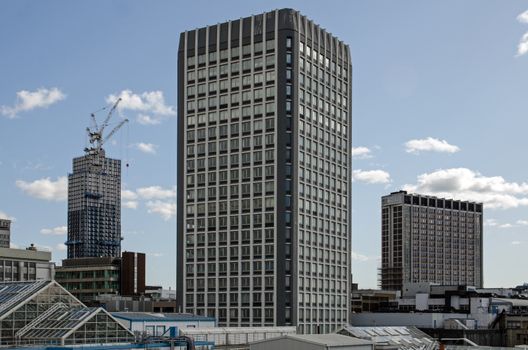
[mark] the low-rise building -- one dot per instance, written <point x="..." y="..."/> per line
<point x="118" y="303"/>
<point x="372" y="300"/>
<point x="516" y="328"/>
<point x="236" y="337"/>
<point x="86" y="278"/>
<point x="418" y="319"/>
<point x="313" y="342"/>
<point x="157" y="292"/>
<point x="25" y="265"/>
<point x="158" y="324"/>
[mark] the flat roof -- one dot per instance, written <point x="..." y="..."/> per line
<point x="323" y="339"/>
<point x="514" y="302"/>
<point x="25" y="254"/>
<point x="152" y="316"/>
<point x="239" y="330"/>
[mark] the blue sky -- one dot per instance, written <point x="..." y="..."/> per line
<point x="439" y="106"/>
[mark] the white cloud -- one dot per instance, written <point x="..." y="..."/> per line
<point x="359" y="257"/>
<point x="46" y="248"/>
<point x="155" y="255"/>
<point x="61" y="247"/>
<point x="166" y="209"/>
<point x="430" y="145"/>
<point x="146" y="102"/>
<point x="14" y="245"/>
<point x="361" y="152"/>
<point x="494" y="223"/>
<point x="371" y="176"/>
<point x="4" y="216"/>
<point x="523" y="17"/>
<point x="146" y="147"/>
<point x="156" y="192"/>
<point x="515" y="242"/>
<point x="29" y="100"/>
<point x="46" y="188"/>
<point x="522" y="47"/>
<point x="466" y="184"/>
<point x="148" y="120"/>
<point x="490" y="222"/>
<point x="56" y="231"/>
<point x="130" y="204"/>
<point x="128" y="195"/>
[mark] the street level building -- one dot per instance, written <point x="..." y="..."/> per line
<point x="118" y="303"/>
<point x="157" y="292"/>
<point x="5" y="233"/>
<point x="313" y="342"/>
<point x="430" y="239"/>
<point x="25" y="265"/>
<point x="235" y="337"/>
<point x="160" y="324"/>
<point x="371" y="300"/>
<point x="264" y="149"/>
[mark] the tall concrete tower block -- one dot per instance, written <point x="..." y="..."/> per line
<point x="264" y="177"/>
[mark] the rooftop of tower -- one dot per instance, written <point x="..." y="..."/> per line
<point x="287" y="19"/>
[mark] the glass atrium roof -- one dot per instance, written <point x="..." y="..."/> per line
<point x="404" y="338"/>
<point x="43" y="312"/>
<point x="13" y="293"/>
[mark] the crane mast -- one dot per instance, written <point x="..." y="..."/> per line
<point x="95" y="135"/>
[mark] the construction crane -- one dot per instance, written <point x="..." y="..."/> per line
<point x="95" y="135"/>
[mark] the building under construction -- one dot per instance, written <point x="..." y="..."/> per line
<point x="94" y="198"/>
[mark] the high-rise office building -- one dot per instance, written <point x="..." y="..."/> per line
<point x="94" y="207"/>
<point x="430" y="239"/>
<point x="264" y="180"/>
<point x="5" y="233"/>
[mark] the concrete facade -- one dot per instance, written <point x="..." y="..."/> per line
<point x="264" y="185"/>
<point x="87" y="278"/>
<point x="5" y="233"/>
<point x="430" y="239"/>
<point x="25" y="265"/>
